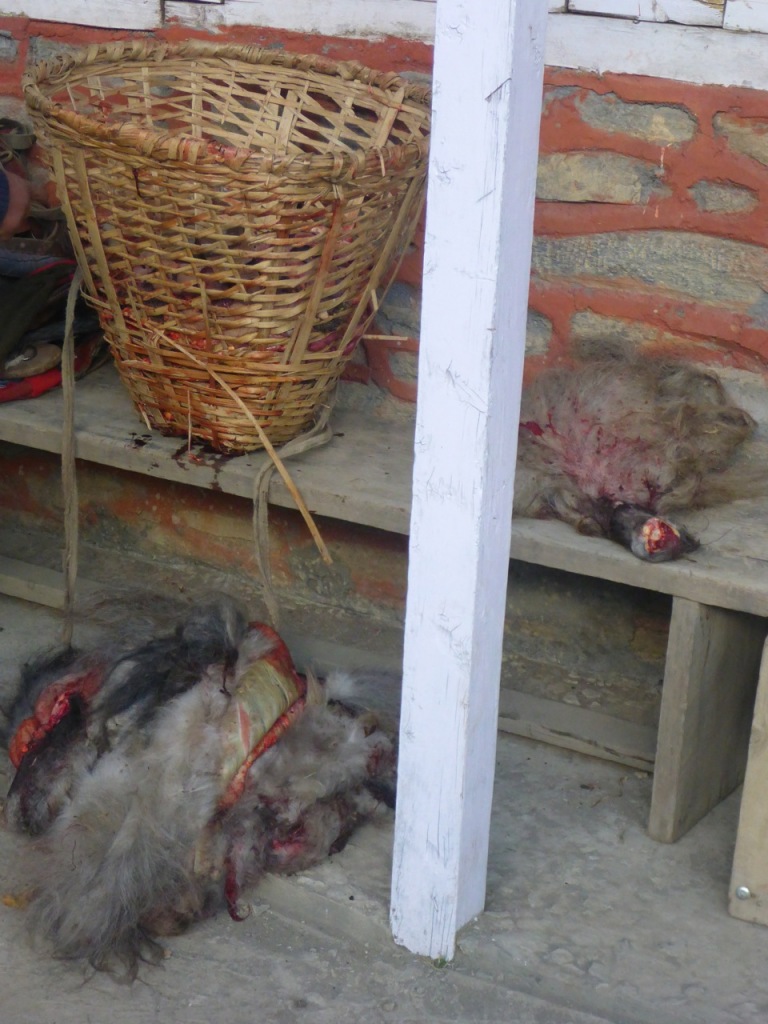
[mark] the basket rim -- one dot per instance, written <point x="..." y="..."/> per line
<point x="186" y="149"/>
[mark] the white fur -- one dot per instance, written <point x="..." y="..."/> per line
<point x="144" y="845"/>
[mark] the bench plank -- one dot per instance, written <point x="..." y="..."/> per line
<point x="364" y="476"/>
<point x="713" y="662"/>
<point x="725" y="575"/>
<point x="31" y="583"/>
<point x="574" y="728"/>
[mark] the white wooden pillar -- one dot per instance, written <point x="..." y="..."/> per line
<point x="487" y="105"/>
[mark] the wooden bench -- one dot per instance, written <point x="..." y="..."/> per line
<point x="716" y="636"/>
<point x="719" y="595"/>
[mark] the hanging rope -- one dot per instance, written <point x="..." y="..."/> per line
<point x="316" y="436"/>
<point x="68" y="455"/>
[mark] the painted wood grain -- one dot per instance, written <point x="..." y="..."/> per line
<point x="365" y="18"/>
<point x="134" y="14"/>
<point x="746" y="15"/>
<point x="703" y="56"/>
<point x="684" y="12"/>
<point x="592" y="42"/>
<point x="488" y="80"/>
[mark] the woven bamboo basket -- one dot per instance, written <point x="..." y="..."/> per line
<point x="238" y="214"/>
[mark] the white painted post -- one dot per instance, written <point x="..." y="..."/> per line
<point x="488" y="70"/>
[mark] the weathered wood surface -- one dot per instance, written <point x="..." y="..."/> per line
<point x="617" y="44"/>
<point x="683" y="12"/>
<point x="133" y="14"/>
<point x="713" y="662"/>
<point x="746" y="15"/>
<point x="364" y="476"/>
<point x="729" y="570"/>
<point x="748" y="897"/>
<point x="340" y="17"/>
<point x="31" y="583"/>
<point x="573" y="728"/>
<point x="658" y="50"/>
<point x="38" y="584"/>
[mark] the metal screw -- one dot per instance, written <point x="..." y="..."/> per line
<point x="743" y="892"/>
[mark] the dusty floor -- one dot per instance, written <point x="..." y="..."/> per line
<point x="587" y="920"/>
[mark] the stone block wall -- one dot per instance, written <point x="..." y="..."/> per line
<point x="651" y="219"/>
<point x="651" y="225"/>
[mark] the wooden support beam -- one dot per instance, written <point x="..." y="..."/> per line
<point x="31" y="583"/>
<point x="39" y="585"/>
<point x="748" y="897"/>
<point x="574" y="728"/>
<point x="488" y="74"/>
<point x="713" y="661"/>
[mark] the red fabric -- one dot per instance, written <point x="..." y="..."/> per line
<point x="281" y="659"/>
<point x="53" y="704"/>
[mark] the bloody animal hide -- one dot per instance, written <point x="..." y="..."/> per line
<point x="161" y="783"/>
<point x="620" y="442"/>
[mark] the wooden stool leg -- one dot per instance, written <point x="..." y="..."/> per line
<point x="748" y="897"/>
<point x="713" y="661"/>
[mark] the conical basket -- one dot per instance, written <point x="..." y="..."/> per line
<point x="238" y="214"/>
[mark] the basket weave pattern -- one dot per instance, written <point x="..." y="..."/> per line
<point x="237" y="213"/>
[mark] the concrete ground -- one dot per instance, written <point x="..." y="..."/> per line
<point x="587" y="920"/>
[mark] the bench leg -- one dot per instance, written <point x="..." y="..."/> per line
<point x="713" y="661"/>
<point x="748" y="897"/>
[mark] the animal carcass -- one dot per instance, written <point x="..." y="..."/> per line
<point x="616" y="444"/>
<point x="160" y="782"/>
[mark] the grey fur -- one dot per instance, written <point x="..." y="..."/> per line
<point x="139" y="844"/>
<point x="124" y="842"/>
<point x="380" y="692"/>
<point x="658" y="435"/>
